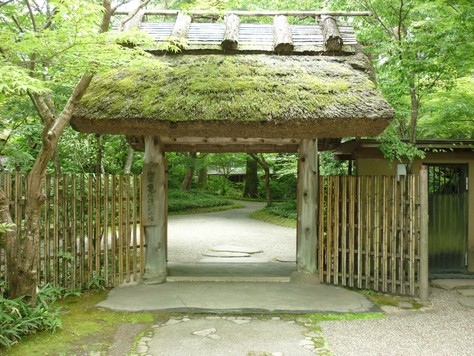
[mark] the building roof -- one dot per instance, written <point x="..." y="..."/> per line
<point x="279" y="89"/>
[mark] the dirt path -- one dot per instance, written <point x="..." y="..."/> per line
<point x="189" y="236"/>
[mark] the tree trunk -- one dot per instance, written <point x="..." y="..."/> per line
<point x="202" y="178"/>
<point x="129" y="162"/>
<point x="188" y="178"/>
<point x="266" y="167"/>
<point x="415" y="106"/>
<point x="251" y="179"/>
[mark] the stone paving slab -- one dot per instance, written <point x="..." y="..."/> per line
<point x="466" y="292"/>
<point x="230" y="337"/>
<point x="285" y="259"/>
<point x="234" y="259"/>
<point x="214" y="297"/>
<point x="467" y="301"/>
<point x="449" y="284"/>
<point x="249" y="250"/>
<point x="224" y="254"/>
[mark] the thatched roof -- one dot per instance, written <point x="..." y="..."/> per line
<point x="241" y="94"/>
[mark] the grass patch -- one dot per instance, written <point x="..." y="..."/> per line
<point x="191" y="200"/>
<point x="390" y="300"/>
<point x="265" y="216"/>
<point x="316" y="318"/>
<point x="86" y="328"/>
<point x="207" y="210"/>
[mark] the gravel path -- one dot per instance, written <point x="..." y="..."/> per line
<point x="444" y="328"/>
<point x="189" y="236"/>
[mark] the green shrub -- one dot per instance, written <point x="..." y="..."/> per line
<point x="286" y="209"/>
<point x="19" y="318"/>
<point x="180" y="200"/>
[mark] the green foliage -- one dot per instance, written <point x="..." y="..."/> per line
<point x="395" y="149"/>
<point x="286" y="209"/>
<point x="19" y="318"/>
<point x="179" y="200"/>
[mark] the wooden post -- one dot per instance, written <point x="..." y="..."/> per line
<point x="424" y="218"/>
<point x="331" y="34"/>
<point x="308" y="191"/>
<point x="232" y="32"/>
<point x="180" y="30"/>
<point x="154" y="212"/>
<point x="282" y="35"/>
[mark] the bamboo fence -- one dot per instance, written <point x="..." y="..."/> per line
<point x="369" y="233"/>
<point x="91" y="232"/>
<point x="368" y="227"/>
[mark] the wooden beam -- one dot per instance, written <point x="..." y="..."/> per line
<point x="154" y="211"/>
<point x="180" y="31"/>
<point x="211" y="13"/>
<point x="282" y="36"/>
<point x="332" y="36"/>
<point x="231" y="33"/>
<point x="307" y="201"/>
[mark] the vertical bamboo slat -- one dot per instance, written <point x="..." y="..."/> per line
<point x="74" y="230"/>
<point x="106" y="230"/>
<point x="47" y="232"/>
<point x="142" y="230"/>
<point x="402" y="221"/>
<point x="344" y="231"/>
<point x="329" y="219"/>
<point x="127" y="227"/>
<point x="376" y="230"/>
<point x="385" y="233"/>
<point x="97" y="225"/>
<point x="120" y="229"/>
<point x="90" y="228"/>
<point x="135" y="222"/>
<point x="335" y="224"/>
<point x="113" y="231"/>
<point x="321" y="250"/>
<point x="393" y="238"/>
<point x="352" y="227"/>
<point x="359" y="232"/>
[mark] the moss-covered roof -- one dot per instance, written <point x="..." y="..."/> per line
<point x="237" y="96"/>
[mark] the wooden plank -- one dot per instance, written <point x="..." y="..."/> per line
<point x="335" y="228"/>
<point x="376" y="229"/>
<point x="403" y="233"/>
<point x="352" y="227"/>
<point x="359" y="231"/>
<point x="127" y="228"/>
<point x="82" y="232"/>
<point x="411" y="233"/>
<point x="368" y="194"/>
<point x="90" y="228"/>
<point x="232" y="32"/>
<point x="135" y="223"/>
<point x="385" y="231"/>
<point x="344" y="232"/>
<point x="120" y="229"/>
<point x="73" y="225"/>
<point x="47" y="229"/>
<point x="282" y="35"/>
<point x="393" y="237"/>
<point x="106" y="230"/>
<point x="142" y="229"/>
<point x="332" y="37"/>
<point x="56" y="230"/>
<point x="329" y="236"/>
<point x="113" y="232"/>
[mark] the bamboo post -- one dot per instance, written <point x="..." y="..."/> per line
<point x="231" y="33"/>
<point x="154" y="211"/>
<point x="322" y="204"/>
<point x="282" y="36"/>
<point x="344" y="233"/>
<point x="424" y="271"/>
<point x="308" y="179"/>
<point x="352" y="227"/>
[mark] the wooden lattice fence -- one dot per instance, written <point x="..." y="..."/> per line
<point x="369" y="233"/>
<point x="91" y="231"/>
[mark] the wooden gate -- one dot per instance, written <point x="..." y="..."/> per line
<point x="369" y="233"/>
<point x="448" y="201"/>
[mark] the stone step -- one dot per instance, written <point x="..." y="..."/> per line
<point x="228" y="279"/>
<point x="453" y="284"/>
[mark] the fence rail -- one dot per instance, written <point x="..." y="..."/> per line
<point x="369" y="233"/>
<point x="91" y="231"/>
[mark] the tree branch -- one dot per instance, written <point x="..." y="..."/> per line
<point x="143" y="3"/>
<point x="32" y="15"/>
